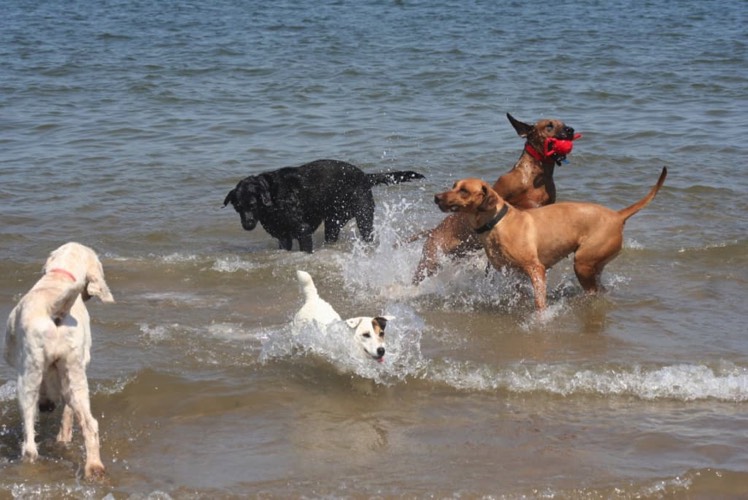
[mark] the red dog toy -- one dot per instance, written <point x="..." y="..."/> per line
<point x="559" y="147"/>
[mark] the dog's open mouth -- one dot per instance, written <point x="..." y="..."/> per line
<point x="446" y="207"/>
<point x="378" y="359"/>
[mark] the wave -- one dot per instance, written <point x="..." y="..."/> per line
<point x="722" y="248"/>
<point x="700" y="483"/>
<point x="404" y="361"/>
<point x="681" y="382"/>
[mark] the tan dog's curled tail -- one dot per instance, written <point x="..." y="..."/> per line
<point x="631" y="210"/>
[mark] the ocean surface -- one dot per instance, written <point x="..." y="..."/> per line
<point x="124" y="124"/>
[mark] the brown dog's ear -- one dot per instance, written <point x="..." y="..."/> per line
<point x="489" y="199"/>
<point x="522" y="128"/>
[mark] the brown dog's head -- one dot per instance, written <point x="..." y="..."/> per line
<point x="542" y="130"/>
<point x="468" y="196"/>
<point x="539" y="134"/>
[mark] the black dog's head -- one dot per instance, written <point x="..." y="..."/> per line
<point x="247" y="198"/>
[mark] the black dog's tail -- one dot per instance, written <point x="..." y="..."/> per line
<point x="393" y="177"/>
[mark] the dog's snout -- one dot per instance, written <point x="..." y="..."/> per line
<point x="380" y="351"/>
<point x="567" y="133"/>
<point x="436" y="199"/>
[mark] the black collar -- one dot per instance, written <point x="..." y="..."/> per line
<point x="490" y="224"/>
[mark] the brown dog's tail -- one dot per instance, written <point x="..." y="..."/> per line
<point x="393" y="177"/>
<point x="629" y="211"/>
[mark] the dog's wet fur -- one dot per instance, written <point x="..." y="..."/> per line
<point x="292" y="202"/>
<point x="367" y="331"/>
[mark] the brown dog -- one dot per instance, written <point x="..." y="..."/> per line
<point x="529" y="184"/>
<point x="534" y="240"/>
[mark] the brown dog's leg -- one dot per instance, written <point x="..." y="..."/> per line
<point x="453" y="236"/>
<point x="588" y="276"/>
<point x="536" y="272"/>
<point x="591" y="259"/>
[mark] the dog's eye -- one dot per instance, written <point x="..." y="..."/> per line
<point x="381" y="335"/>
<point x="367" y="335"/>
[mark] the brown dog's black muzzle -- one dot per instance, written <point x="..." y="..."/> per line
<point x="567" y="134"/>
<point x="440" y="202"/>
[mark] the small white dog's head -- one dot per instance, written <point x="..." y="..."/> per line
<point x="368" y="333"/>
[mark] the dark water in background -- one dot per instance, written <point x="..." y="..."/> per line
<point x="124" y="124"/>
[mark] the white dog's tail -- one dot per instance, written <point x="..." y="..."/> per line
<point x="307" y="285"/>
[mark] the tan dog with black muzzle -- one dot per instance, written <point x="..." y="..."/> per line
<point x="534" y="240"/>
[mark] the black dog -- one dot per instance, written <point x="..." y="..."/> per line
<point x="292" y="202"/>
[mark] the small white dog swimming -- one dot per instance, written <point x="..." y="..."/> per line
<point x="48" y="342"/>
<point x="367" y="331"/>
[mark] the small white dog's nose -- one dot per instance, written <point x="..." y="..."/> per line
<point x="380" y="351"/>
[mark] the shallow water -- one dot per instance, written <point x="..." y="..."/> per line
<point x="124" y="124"/>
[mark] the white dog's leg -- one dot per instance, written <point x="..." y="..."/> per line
<point x="66" y="427"/>
<point x="28" y="399"/>
<point x="76" y="396"/>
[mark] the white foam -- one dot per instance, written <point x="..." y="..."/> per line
<point x="177" y="257"/>
<point x="157" y="333"/>
<point x="632" y="244"/>
<point x="230" y="331"/>
<point x="683" y="382"/>
<point x="232" y="265"/>
<point x="8" y="391"/>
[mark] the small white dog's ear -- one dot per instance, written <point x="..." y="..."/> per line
<point x="382" y="321"/>
<point x="353" y="322"/>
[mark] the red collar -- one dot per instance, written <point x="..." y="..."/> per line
<point x="534" y="153"/>
<point x="63" y="272"/>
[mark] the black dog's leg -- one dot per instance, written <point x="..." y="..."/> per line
<point x="285" y="243"/>
<point x="365" y="217"/>
<point x="332" y="229"/>
<point x="306" y="244"/>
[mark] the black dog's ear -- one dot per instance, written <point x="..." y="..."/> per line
<point x="263" y="191"/>
<point x="230" y="198"/>
<point x="522" y="128"/>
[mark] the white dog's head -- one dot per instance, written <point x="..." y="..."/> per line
<point x="368" y="333"/>
<point x="83" y="264"/>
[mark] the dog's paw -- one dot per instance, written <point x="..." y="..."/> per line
<point x="47" y="406"/>
<point x="95" y="471"/>
<point x="29" y="454"/>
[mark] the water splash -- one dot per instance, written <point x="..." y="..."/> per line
<point x="336" y="346"/>
<point x="232" y="265"/>
<point x="7" y="391"/>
